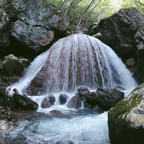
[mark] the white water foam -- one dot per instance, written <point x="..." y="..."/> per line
<point x="76" y="56"/>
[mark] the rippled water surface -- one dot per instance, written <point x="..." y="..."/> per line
<point x="81" y="129"/>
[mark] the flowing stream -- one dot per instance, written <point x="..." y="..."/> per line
<point x="74" y="61"/>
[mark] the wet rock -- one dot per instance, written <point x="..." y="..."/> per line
<point x="48" y="101"/>
<point x="74" y="102"/>
<point x="24" y="103"/>
<point x="126" y="119"/>
<point x="51" y="99"/>
<point x="45" y="103"/>
<point x="82" y="91"/>
<point x="63" y="98"/>
<point x="57" y="113"/>
<point x="103" y="98"/>
<point x="108" y="98"/>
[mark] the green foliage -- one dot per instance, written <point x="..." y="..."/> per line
<point x="78" y="16"/>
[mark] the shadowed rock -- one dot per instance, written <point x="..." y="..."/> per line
<point x="63" y="98"/>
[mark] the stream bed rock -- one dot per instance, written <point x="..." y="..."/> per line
<point x="126" y="119"/>
<point x="103" y="98"/>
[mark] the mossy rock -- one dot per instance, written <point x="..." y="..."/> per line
<point x="126" y="119"/>
<point x="3" y="18"/>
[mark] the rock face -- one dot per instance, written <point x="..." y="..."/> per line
<point x="4" y="31"/>
<point x="120" y="29"/>
<point x="29" y="27"/>
<point x="126" y="119"/>
<point x="33" y="37"/>
<point x="37" y="24"/>
<point x="124" y="32"/>
<point x="103" y="98"/>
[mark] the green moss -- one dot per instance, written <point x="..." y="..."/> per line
<point x="126" y="105"/>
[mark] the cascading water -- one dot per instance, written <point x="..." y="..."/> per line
<point x="77" y="60"/>
<point x="74" y="61"/>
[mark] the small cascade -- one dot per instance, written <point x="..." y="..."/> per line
<point x="77" y="60"/>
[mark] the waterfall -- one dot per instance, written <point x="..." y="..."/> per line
<point x="77" y="60"/>
<point x="73" y="61"/>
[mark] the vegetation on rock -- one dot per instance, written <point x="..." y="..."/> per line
<point x="86" y="12"/>
<point x="126" y="119"/>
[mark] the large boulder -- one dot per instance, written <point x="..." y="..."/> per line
<point x="124" y="33"/>
<point x="34" y="37"/>
<point x="119" y="30"/>
<point x="126" y="119"/>
<point x="38" y="24"/>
